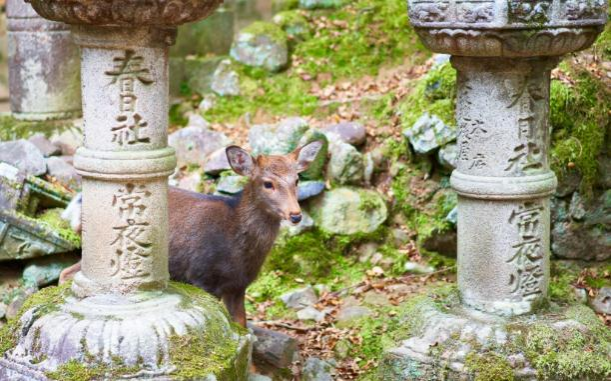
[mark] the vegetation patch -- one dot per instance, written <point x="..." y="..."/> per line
<point x="489" y="367"/>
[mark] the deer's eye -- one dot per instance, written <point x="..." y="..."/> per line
<point x="268" y="185"/>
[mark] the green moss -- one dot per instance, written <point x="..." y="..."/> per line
<point x="570" y="354"/>
<point x="489" y="367"/>
<point x="52" y="219"/>
<point x="12" y="129"/>
<point x="294" y="24"/>
<point x="435" y="94"/>
<point x="362" y="38"/>
<point x="580" y="119"/>
<point x="46" y="301"/>
<point x="262" y="28"/>
<point x="75" y="370"/>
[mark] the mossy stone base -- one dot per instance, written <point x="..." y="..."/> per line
<point x="445" y="340"/>
<point x="181" y="333"/>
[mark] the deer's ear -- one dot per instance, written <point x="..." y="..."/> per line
<point x="306" y="154"/>
<point x="240" y="160"/>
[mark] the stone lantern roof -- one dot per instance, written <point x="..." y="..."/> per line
<point x="508" y="28"/>
<point x="161" y="13"/>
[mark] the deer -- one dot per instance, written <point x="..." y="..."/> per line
<point x="220" y="243"/>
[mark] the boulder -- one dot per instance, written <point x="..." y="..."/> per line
<point x="225" y="80"/>
<point x="45" y="271"/>
<point x="68" y="140"/>
<point x="262" y="45"/>
<point x="278" y="139"/>
<point x="349" y="132"/>
<point x="217" y="162"/>
<point x="316" y="169"/>
<point x="311" y="313"/>
<point x="190" y="181"/>
<point x="65" y="173"/>
<point x="348" y="315"/>
<point x="448" y="156"/>
<point x="308" y="189"/>
<point x="602" y="302"/>
<point x="580" y="229"/>
<point x="349" y="211"/>
<point x="198" y="73"/>
<point x="194" y="144"/>
<point x="428" y="133"/>
<point x="231" y="184"/>
<point x="568" y="182"/>
<point x="274" y="348"/>
<point x="294" y="25"/>
<point x="299" y="299"/>
<point x="346" y="165"/>
<point x="196" y="120"/>
<point x="24" y="155"/>
<point x="320" y="4"/>
<point x="44" y="145"/>
<point x="316" y="369"/>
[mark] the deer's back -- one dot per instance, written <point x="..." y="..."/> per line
<point x="203" y="248"/>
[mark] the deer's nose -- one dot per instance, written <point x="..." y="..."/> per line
<point x="295" y="218"/>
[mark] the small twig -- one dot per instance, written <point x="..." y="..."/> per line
<point x="280" y="324"/>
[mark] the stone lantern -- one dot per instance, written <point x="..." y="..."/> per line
<point x="503" y="51"/>
<point x="122" y="318"/>
<point x="44" y="66"/>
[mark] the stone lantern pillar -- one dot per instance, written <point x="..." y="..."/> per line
<point x="503" y="51"/>
<point x="121" y="318"/>
<point x="44" y="66"/>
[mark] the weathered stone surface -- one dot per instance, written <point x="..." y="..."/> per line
<point x="190" y="181"/>
<point x="369" y="167"/>
<point x="294" y="25"/>
<point x="3" y="308"/>
<point x="211" y="36"/>
<point x="197" y="120"/>
<point x="428" y="133"/>
<point x="320" y="4"/>
<point x="376" y="299"/>
<point x="349" y="132"/>
<point x="464" y="334"/>
<point x="568" y="183"/>
<point x="308" y="189"/>
<point x="448" y="155"/>
<point x="349" y="211"/>
<point x="17" y="301"/>
<point x="442" y="242"/>
<point x="23" y="155"/>
<point x="194" y="144"/>
<point x="278" y="139"/>
<point x="44" y="145"/>
<point x="197" y="72"/>
<point x="44" y="271"/>
<point x="602" y="302"/>
<point x="217" y="162"/>
<point x="350" y="314"/>
<point x="316" y="369"/>
<point x="258" y="377"/>
<point x="69" y="140"/>
<point x="299" y="299"/>
<point x="44" y="66"/>
<point x="581" y="231"/>
<point x="225" y="80"/>
<point x="311" y="313"/>
<point x="274" y="348"/>
<point x="65" y="173"/>
<point x="231" y="184"/>
<point x="346" y="165"/>
<point x="138" y="13"/>
<point x="262" y="45"/>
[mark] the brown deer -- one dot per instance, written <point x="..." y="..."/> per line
<point x="220" y="243"/>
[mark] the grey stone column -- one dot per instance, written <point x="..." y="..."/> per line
<point x="125" y="160"/>
<point x="504" y="182"/>
<point x="503" y="51"/>
<point x="44" y="69"/>
<point x="122" y="318"/>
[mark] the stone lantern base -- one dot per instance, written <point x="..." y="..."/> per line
<point x="181" y="333"/>
<point x="447" y="341"/>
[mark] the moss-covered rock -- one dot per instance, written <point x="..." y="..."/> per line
<point x="349" y="211"/>
<point x="294" y="24"/>
<point x="262" y="45"/>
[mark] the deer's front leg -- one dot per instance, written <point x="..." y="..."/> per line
<point x="235" y="306"/>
